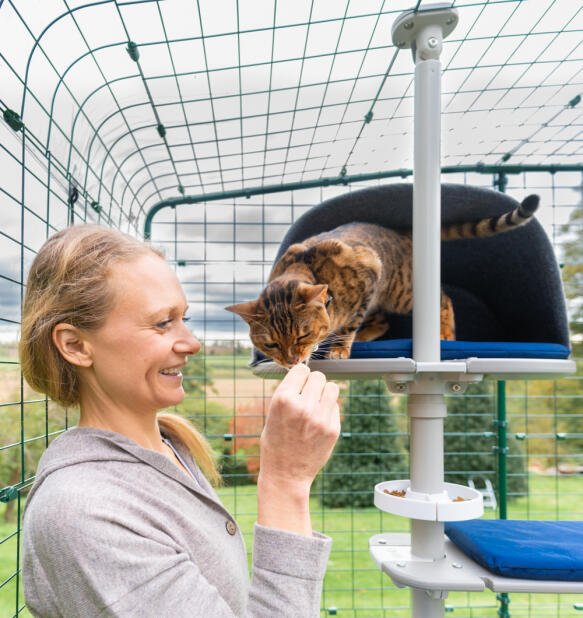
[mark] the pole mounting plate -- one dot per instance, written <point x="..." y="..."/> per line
<point x="410" y="23"/>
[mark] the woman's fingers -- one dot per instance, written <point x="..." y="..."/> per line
<point x="330" y="394"/>
<point x="314" y="387"/>
<point x="295" y="379"/>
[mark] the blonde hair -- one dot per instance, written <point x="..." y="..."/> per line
<point x="68" y="283"/>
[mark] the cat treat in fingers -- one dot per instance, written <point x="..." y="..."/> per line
<point x="340" y="286"/>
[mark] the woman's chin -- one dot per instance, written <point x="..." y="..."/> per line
<point x="175" y="398"/>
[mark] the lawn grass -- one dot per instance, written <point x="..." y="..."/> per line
<point x="228" y="366"/>
<point x="353" y="585"/>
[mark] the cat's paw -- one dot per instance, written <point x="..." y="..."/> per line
<point x="338" y="353"/>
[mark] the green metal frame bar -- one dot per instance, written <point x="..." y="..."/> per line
<point x="501" y="170"/>
<point x="501" y="426"/>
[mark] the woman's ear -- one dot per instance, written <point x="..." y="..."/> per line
<point x="72" y="345"/>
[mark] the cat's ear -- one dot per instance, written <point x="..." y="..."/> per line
<point x="314" y="294"/>
<point x="248" y="310"/>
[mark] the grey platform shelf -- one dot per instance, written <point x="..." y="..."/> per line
<point x="487" y="368"/>
<point x="455" y="572"/>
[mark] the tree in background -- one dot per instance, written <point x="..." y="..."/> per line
<point x="240" y="460"/>
<point x="41" y="418"/>
<point x="370" y="449"/>
<point x="470" y="438"/>
<point x="196" y="375"/>
<point x="572" y="271"/>
<point x="569" y="408"/>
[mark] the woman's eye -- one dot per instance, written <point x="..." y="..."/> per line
<point x="163" y="324"/>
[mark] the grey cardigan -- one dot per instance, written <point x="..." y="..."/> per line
<point x="115" y="529"/>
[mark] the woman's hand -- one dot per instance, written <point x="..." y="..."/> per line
<point x="302" y="427"/>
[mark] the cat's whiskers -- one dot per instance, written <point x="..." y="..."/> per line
<point x="340" y="338"/>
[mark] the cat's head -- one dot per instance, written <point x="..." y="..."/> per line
<point x="287" y="321"/>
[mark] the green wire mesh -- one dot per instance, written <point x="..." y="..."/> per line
<point x="213" y="126"/>
<point x="136" y="102"/>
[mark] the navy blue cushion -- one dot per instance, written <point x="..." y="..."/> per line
<point x="545" y="550"/>
<point x="450" y="350"/>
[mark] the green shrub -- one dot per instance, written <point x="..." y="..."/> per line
<point x="470" y="441"/>
<point x="370" y="449"/>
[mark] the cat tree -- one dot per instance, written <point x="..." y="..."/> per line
<point x="426" y="560"/>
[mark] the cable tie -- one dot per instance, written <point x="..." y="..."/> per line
<point x="132" y="50"/>
<point x="73" y="194"/>
<point x="13" y="120"/>
<point x="8" y="493"/>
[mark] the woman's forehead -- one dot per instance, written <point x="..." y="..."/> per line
<point x="146" y="283"/>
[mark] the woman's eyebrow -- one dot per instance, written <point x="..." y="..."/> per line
<point x="166" y="311"/>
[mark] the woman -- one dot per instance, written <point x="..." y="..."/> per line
<point x="122" y="519"/>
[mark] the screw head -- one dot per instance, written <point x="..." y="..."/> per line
<point x="409" y="25"/>
<point x="456" y="388"/>
<point x="381" y="542"/>
<point x="400" y="44"/>
<point x="457" y="565"/>
<point x="401" y="565"/>
<point x="432" y="42"/>
<point x="450" y="21"/>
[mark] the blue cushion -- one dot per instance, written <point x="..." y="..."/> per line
<point x="392" y="348"/>
<point x="545" y="550"/>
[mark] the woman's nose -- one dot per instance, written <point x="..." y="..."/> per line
<point x="187" y="343"/>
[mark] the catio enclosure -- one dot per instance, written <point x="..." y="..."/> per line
<point x="210" y="127"/>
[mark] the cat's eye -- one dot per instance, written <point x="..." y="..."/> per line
<point x="302" y="337"/>
<point x="271" y="346"/>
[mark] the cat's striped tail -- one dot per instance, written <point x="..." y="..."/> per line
<point x="493" y="225"/>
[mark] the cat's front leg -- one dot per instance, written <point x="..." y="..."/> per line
<point x="375" y="325"/>
<point x="447" y="321"/>
<point x="342" y="343"/>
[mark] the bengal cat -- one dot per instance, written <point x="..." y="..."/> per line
<point x="340" y="285"/>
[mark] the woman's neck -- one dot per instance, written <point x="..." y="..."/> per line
<point x="140" y="427"/>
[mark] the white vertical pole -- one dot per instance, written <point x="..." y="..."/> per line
<point x="426" y="412"/>
<point x="424" y="31"/>
<point x="427" y="210"/>
<point x="426" y="406"/>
